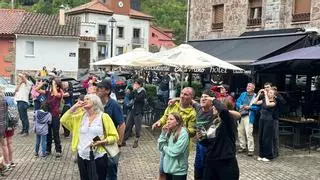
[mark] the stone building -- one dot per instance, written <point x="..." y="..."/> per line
<point x="210" y="19"/>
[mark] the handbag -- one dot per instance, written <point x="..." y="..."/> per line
<point x="111" y="149"/>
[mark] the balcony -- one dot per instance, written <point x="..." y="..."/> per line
<point x="301" y="17"/>
<point x="215" y="26"/>
<point x="137" y="40"/>
<point x="254" y="22"/>
<point x="101" y="37"/>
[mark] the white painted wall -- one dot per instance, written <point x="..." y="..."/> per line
<point x="125" y="21"/>
<point x="48" y="51"/>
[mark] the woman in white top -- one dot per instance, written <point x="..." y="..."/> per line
<point x="87" y="122"/>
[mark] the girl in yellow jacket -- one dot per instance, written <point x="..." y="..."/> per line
<point x="87" y="122"/>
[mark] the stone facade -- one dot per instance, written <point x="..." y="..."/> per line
<point x="276" y="14"/>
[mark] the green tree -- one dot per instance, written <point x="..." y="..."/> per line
<point x="168" y="14"/>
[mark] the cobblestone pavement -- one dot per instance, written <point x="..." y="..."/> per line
<point x="142" y="163"/>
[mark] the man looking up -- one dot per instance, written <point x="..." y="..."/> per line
<point x="245" y="127"/>
<point x="112" y="108"/>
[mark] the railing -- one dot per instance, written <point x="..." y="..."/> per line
<point x="301" y="17"/>
<point x="217" y="25"/>
<point x="254" y="22"/>
<point x="103" y="37"/>
<point x="137" y="41"/>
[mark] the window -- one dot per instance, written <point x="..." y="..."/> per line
<point x="102" y="33"/>
<point x="255" y="12"/>
<point x="136" y="33"/>
<point x="30" y="48"/>
<point x="120" y="32"/>
<point x="301" y="10"/>
<point x="217" y="16"/>
<point x="119" y="50"/>
<point x="102" y="51"/>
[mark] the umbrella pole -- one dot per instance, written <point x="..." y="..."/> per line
<point x="182" y="79"/>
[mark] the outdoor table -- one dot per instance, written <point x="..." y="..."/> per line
<point x="299" y="127"/>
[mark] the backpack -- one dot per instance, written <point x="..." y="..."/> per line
<point x="12" y="115"/>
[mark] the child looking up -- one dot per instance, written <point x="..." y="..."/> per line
<point x="42" y="118"/>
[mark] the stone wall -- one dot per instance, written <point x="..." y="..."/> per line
<point x="276" y="14"/>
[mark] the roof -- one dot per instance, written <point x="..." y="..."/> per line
<point x="93" y="7"/>
<point x="139" y="15"/>
<point x="48" y="25"/>
<point x="272" y="31"/>
<point x="160" y="30"/>
<point x="10" y="20"/>
<point x="245" y="50"/>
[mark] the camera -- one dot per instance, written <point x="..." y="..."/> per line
<point x="47" y="80"/>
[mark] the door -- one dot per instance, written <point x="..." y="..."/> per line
<point x="84" y="58"/>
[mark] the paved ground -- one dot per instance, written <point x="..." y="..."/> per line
<point x="142" y="163"/>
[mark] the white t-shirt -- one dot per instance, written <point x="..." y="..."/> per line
<point x="23" y="92"/>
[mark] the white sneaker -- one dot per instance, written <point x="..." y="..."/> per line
<point x="259" y="158"/>
<point x="265" y="160"/>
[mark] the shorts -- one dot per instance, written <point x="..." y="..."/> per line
<point x="9" y="133"/>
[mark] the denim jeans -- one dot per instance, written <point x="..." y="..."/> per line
<point x="41" y="139"/>
<point x="23" y="115"/>
<point x="112" y="173"/>
<point x="54" y="131"/>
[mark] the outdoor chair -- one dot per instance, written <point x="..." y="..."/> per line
<point x="285" y="130"/>
<point x="315" y="134"/>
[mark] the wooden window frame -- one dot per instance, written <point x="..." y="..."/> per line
<point x="253" y="4"/>
<point x="300" y="16"/>
<point x="215" y="24"/>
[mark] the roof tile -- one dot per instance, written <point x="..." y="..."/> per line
<point x="10" y="20"/>
<point x="48" y="25"/>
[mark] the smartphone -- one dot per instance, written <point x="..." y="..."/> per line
<point x="97" y="138"/>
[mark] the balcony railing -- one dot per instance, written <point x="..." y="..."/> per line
<point x="137" y="40"/>
<point x="217" y="25"/>
<point x="301" y="17"/>
<point x="101" y="37"/>
<point x="254" y="22"/>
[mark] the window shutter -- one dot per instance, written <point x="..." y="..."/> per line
<point x="302" y="6"/>
<point x="218" y="13"/>
<point x="255" y="3"/>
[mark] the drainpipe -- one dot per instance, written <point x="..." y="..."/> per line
<point x="188" y="21"/>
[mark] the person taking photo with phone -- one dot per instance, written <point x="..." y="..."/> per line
<point x="91" y="130"/>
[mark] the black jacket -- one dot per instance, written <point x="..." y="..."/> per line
<point x="139" y="96"/>
<point x="223" y="145"/>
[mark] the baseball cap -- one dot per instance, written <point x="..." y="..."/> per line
<point x="104" y="84"/>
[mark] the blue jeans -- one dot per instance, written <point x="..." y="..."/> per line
<point x="23" y="115"/>
<point x="41" y="139"/>
<point x="199" y="161"/>
<point x="112" y="173"/>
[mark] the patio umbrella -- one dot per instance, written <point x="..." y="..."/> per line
<point x="186" y="57"/>
<point x="124" y="59"/>
<point x="304" y="60"/>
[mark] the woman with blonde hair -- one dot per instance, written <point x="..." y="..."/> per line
<point x="173" y="143"/>
<point x="266" y="124"/>
<point x="91" y="131"/>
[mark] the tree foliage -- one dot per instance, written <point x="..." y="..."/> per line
<point x="168" y="14"/>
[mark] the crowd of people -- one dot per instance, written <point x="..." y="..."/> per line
<point x="98" y="126"/>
